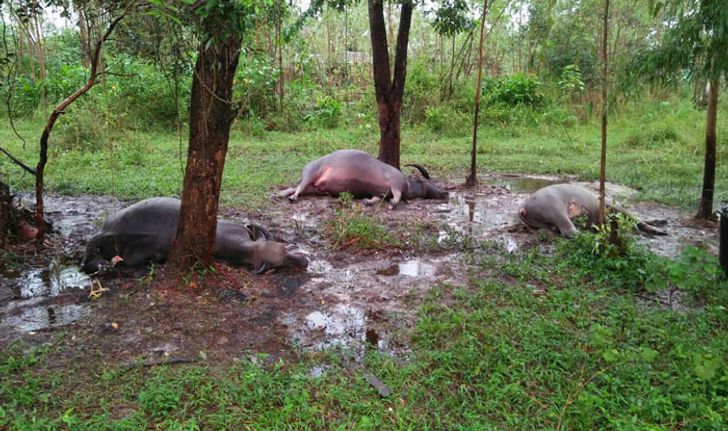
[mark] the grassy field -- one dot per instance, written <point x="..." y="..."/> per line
<point x="563" y="340"/>
<point x="656" y="148"/>
<point x="531" y="342"/>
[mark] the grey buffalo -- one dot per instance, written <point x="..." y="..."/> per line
<point x="363" y="176"/>
<point x="143" y="233"/>
<point x="554" y="207"/>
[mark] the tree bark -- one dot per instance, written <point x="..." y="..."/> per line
<point x="472" y="179"/>
<point x="279" y="44"/>
<point x="389" y="92"/>
<point x="705" y="209"/>
<point x="603" y="158"/>
<point x="4" y="214"/>
<point x="211" y="115"/>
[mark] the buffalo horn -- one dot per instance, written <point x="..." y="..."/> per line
<point x="420" y="168"/>
<point x="256" y="230"/>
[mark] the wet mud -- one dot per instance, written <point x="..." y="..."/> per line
<point x="355" y="300"/>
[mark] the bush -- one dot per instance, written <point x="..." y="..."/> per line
<point x="513" y="90"/>
<point x="422" y="91"/>
<point x="81" y="128"/>
<point x="326" y="114"/>
<point x="651" y="137"/>
<point x="447" y="120"/>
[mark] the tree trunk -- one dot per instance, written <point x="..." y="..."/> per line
<point x="389" y="92"/>
<point x="603" y="158"/>
<point x="41" y="61"/>
<point x="83" y="38"/>
<point x="211" y="115"/>
<point x="4" y="214"/>
<point x="279" y="44"/>
<point x="472" y="179"/>
<point x="705" y="209"/>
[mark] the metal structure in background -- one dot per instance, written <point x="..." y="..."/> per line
<point x="724" y="240"/>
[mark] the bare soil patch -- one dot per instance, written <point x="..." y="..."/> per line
<point x="347" y="297"/>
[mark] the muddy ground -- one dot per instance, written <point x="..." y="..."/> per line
<point x="349" y="298"/>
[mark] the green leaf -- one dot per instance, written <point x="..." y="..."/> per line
<point x="648" y="354"/>
<point x="704" y="373"/>
<point x="611" y="356"/>
<point x="600" y="336"/>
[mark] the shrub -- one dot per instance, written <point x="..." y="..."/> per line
<point x="513" y="90"/>
<point x="447" y="120"/>
<point x="650" y="137"/>
<point x="80" y="128"/>
<point x="326" y="114"/>
<point x="422" y="91"/>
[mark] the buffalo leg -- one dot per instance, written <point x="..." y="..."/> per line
<point x="396" y="196"/>
<point x="285" y="193"/>
<point x="565" y="226"/>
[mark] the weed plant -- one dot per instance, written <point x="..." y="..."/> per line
<point x="352" y="227"/>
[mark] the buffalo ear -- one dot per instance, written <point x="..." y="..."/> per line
<point x="260" y="269"/>
<point x="259" y="265"/>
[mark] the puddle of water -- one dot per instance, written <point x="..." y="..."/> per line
<point x="48" y="282"/>
<point x="35" y="298"/>
<point x="317" y="372"/>
<point x="477" y="214"/>
<point x="417" y="268"/>
<point x="525" y="184"/>
<point x="342" y="325"/>
<point x="29" y="309"/>
<point x="37" y="318"/>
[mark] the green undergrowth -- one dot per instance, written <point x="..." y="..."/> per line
<point x="655" y="147"/>
<point x="351" y="227"/>
<point x="534" y="340"/>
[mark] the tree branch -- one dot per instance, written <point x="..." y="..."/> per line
<point x="17" y="162"/>
<point x="43" y="159"/>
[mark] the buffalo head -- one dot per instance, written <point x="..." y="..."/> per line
<point x="422" y="187"/>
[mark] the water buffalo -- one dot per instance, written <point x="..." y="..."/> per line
<point x="554" y="206"/>
<point x="143" y="233"/>
<point x="363" y="176"/>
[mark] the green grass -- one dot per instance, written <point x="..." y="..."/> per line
<point x="655" y="147"/>
<point x="528" y="343"/>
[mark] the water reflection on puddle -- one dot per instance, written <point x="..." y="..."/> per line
<point x="417" y="268"/>
<point x="36" y="318"/>
<point x="524" y="184"/>
<point x="32" y="294"/>
<point x="49" y="281"/>
<point x="343" y="325"/>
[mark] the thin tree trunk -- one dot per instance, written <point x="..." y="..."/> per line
<point x="329" y="79"/>
<point x="472" y="179"/>
<point x="279" y="44"/>
<point x="83" y="38"/>
<point x="705" y="209"/>
<point x="211" y="115"/>
<point x="43" y="159"/>
<point x="452" y="68"/>
<point x="30" y="45"/>
<point x="389" y="92"/>
<point x="5" y="198"/>
<point x="41" y="61"/>
<point x="603" y="158"/>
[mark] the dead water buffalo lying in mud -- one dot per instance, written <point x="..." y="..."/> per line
<point x="143" y="233"/>
<point x="363" y="176"/>
<point x="554" y="206"/>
